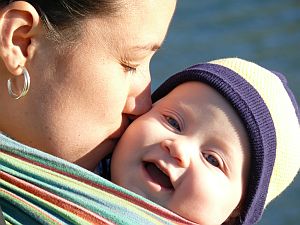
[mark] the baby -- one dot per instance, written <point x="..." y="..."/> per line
<point x="221" y="141"/>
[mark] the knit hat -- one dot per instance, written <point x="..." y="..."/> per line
<point x="270" y="115"/>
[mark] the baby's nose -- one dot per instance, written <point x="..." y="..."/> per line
<point x="178" y="150"/>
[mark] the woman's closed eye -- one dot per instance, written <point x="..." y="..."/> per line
<point x="128" y="66"/>
<point x="173" y="123"/>
<point x="129" y="69"/>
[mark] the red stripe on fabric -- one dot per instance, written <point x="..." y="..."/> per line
<point x="31" y="205"/>
<point x="159" y="211"/>
<point x="56" y="200"/>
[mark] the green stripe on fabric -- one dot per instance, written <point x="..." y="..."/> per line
<point x="11" y="221"/>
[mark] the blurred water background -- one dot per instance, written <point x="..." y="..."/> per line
<point x="266" y="32"/>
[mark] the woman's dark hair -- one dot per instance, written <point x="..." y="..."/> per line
<point x="62" y="18"/>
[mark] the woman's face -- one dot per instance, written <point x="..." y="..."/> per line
<point x="83" y="96"/>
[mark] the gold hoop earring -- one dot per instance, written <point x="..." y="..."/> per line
<point x="25" y="86"/>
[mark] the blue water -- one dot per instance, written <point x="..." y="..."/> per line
<point x="266" y="32"/>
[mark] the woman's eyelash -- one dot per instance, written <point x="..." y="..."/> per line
<point x="173" y="123"/>
<point x="130" y="69"/>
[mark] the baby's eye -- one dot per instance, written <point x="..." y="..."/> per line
<point x="173" y="123"/>
<point x="212" y="160"/>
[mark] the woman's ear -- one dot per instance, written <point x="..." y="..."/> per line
<point x="19" y="26"/>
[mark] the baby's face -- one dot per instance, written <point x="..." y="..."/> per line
<point x="189" y="153"/>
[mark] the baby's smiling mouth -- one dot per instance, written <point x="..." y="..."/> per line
<point x="158" y="176"/>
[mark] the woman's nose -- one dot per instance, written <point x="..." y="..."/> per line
<point x="139" y="99"/>
<point x="179" y="150"/>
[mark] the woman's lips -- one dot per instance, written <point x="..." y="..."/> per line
<point x="158" y="176"/>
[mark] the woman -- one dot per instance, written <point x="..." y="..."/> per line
<point x="88" y="63"/>
<point x="76" y="72"/>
